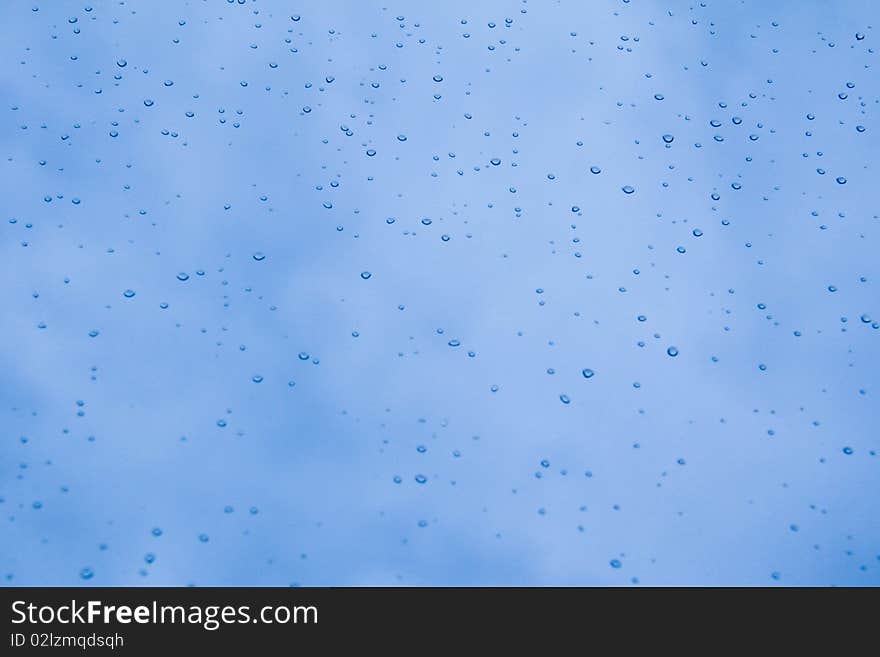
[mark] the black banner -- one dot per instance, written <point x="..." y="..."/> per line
<point x="147" y="620"/>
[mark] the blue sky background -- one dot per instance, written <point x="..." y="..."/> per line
<point x="370" y="260"/>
